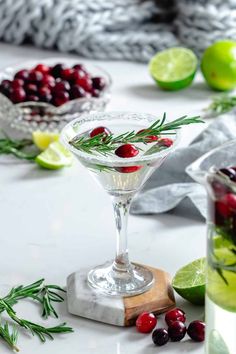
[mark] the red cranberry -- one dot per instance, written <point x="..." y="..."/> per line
<point x="61" y="86"/>
<point x="57" y="69"/>
<point x="5" y="87"/>
<point x="22" y="74"/>
<point x="165" y="142"/>
<point x="17" y="83"/>
<point x="177" y="331"/>
<point x="219" y="189"/>
<point x="128" y="169"/>
<point x="196" y="331"/>
<point x="99" y="83"/>
<point x="99" y="130"/>
<point x="85" y="82"/>
<point x="66" y="74"/>
<point x="48" y="80"/>
<point x="32" y="98"/>
<point x="44" y="90"/>
<point x="79" y="67"/>
<point x="61" y="98"/>
<point x="150" y="138"/>
<point x="126" y="151"/>
<point x="77" y="92"/>
<point x="230" y="172"/>
<point x="18" y="95"/>
<point x="160" y="336"/>
<point x="77" y="75"/>
<point x="175" y="315"/>
<point x="45" y="69"/>
<point x="95" y="93"/>
<point x="6" y="84"/>
<point x="31" y="88"/>
<point x="35" y="76"/>
<point x="146" y="322"/>
<point x="46" y="98"/>
<point x="226" y="205"/>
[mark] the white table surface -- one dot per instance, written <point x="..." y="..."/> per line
<point x="52" y="223"/>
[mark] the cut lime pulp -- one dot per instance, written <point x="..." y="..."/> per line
<point x="54" y="157"/>
<point x="174" y="68"/>
<point x="189" y="281"/>
<point x="43" y="139"/>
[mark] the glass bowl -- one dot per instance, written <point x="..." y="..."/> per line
<point x="29" y="116"/>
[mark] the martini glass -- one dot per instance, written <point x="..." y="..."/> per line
<point x="121" y="178"/>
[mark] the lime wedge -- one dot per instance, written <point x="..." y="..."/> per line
<point x="43" y="139"/>
<point x="189" y="282"/>
<point x="54" y="157"/>
<point x="174" y="68"/>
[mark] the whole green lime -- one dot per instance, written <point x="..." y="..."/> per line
<point x="218" y="65"/>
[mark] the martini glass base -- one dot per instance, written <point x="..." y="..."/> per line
<point x="110" y="281"/>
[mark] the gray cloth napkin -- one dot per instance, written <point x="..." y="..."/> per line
<point x="170" y="188"/>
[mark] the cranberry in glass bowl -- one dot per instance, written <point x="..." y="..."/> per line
<point x="47" y="94"/>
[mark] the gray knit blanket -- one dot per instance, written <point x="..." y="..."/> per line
<point x="117" y="29"/>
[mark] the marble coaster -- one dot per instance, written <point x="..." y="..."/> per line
<point x="89" y="303"/>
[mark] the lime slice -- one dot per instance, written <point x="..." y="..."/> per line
<point x="43" y="139"/>
<point x="54" y="157"/>
<point x="174" y="68"/>
<point x="189" y="282"/>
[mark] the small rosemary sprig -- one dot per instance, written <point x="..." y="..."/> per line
<point x="106" y="145"/>
<point x="9" y="336"/>
<point x="16" y="148"/>
<point x="45" y="295"/>
<point x="222" y="103"/>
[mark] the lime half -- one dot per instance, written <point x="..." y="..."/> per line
<point x="189" y="282"/>
<point x="43" y="139"/>
<point x="174" y="68"/>
<point x="54" y="157"/>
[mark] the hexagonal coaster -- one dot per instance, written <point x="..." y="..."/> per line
<point x="89" y="303"/>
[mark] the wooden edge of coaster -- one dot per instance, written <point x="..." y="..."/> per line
<point x="160" y="298"/>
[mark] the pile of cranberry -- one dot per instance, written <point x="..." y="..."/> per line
<point x="56" y="84"/>
<point x="176" y="331"/>
<point x="224" y="206"/>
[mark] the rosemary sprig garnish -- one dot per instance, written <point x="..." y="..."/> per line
<point x="45" y="295"/>
<point x="106" y="145"/>
<point x="222" y="103"/>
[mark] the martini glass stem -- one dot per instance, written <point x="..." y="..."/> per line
<point x="121" y="205"/>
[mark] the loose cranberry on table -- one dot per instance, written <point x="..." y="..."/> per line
<point x="177" y="331"/>
<point x="126" y="151"/>
<point x="146" y="322"/>
<point x="196" y="331"/>
<point x="160" y="336"/>
<point x="99" y="130"/>
<point x="175" y="315"/>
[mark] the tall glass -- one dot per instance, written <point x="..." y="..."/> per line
<point x="121" y="178"/>
<point x="221" y="248"/>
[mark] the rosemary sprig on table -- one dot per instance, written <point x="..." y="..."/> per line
<point x="222" y="104"/>
<point x="106" y="145"/>
<point x="45" y="295"/>
<point x="16" y="148"/>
